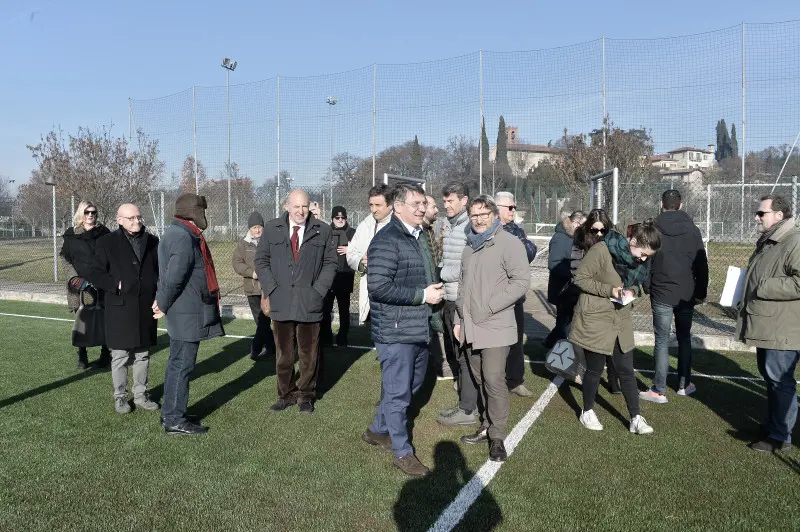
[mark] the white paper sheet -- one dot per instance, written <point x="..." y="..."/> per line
<point x="734" y="287"/>
<point x="622" y="302"/>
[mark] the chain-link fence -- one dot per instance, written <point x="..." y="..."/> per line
<point x="497" y="120"/>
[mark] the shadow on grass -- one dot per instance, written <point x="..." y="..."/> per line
<point x="229" y="355"/>
<point x="333" y="364"/>
<point x="8" y="401"/>
<point x="16" y="264"/>
<point x="161" y="342"/>
<point x="422" y="500"/>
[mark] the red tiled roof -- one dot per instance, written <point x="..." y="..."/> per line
<point x="689" y="148"/>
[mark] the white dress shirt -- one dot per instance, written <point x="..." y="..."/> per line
<point x="415" y="232"/>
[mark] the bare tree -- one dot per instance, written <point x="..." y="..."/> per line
<point x="99" y="167"/>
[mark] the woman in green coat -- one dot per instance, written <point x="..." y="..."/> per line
<point x="614" y="268"/>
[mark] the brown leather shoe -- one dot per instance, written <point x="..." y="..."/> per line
<point x="410" y="465"/>
<point x="382" y="441"/>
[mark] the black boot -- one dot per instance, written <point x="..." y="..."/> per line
<point x="83" y="361"/>
<point x="105" y="359"/>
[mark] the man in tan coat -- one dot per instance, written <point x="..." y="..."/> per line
<point x="494" y="276"/>
<point x="769" y="314"/>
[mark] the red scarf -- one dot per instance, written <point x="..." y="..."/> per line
<point x="208" y="262"/>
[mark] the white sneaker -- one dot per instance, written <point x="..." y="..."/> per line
<point x="640" y="426"/>
<point x="689" y="390"/>
<point x="589" y="420"/>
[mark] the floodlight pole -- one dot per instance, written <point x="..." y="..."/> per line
<point x="331" y="102"/>
<point x="229" y="66"/>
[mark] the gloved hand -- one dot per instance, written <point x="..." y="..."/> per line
<point x="78" y="284"/>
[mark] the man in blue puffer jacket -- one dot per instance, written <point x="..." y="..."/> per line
<point x="402" y="294"/>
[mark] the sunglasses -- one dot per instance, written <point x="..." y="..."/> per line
<point x="87" y="212"/>
<point x="340" y="217"/>
<point x="761" y="214"/>
<point x="600" y="231"/>
<point x="509" y="207"/>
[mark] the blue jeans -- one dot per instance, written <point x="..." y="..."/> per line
<point x="662" y="319"/>
<point x="182" y="357"/>
<point x="777" y="368"/>
<point x="402" y="372"/>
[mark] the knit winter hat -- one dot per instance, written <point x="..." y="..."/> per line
<point x="255" y="219"/>
<point x="192" y="207"/>
<point x="338" y="211"/>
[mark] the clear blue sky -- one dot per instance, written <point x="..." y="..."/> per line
<point x="76" y="63"/>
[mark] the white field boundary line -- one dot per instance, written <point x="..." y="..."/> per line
<point x="368" y="348"/>
<point x="455" y="512"/>
<point x="234" y="336"/>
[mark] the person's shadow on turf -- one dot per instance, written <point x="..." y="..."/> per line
<point x="422" y="500"/>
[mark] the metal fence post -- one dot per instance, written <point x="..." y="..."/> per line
<point x="278" y="187"/>
<point x="615" y="196"/>
<point x="708" y="212"/>
<point x="55" y="256"/>
<point x="794" y="195"/>
<point x="480" y="136"/>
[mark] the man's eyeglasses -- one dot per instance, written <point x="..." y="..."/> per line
<point x="340" y="217"/>
<point x="132" y="218"/>
<point x="761" y="214"/>
<point x="596" y="231"/>
<point x="87" y="212"/>
<point x="480" y="216"/>
<point x="511" y="208"/>
<point x="417" y="205"/>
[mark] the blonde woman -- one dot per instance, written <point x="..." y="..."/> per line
<point x="78" y="252"/>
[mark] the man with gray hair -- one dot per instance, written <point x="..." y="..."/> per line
<point x="515" y="366"/>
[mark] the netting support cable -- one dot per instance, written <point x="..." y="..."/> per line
<point x="603" y="81"/>
<point x="480" y="135"/>
<point x="130" y="122"/>
<point x="788" y="155"/>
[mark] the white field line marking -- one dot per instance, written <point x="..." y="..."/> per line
<point x="453" y="514"/>
<point x="367" y="348"/>
<point x="162" y="330"/>
<point x="701" y="375"/>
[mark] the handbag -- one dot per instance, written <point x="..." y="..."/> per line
<point x="265" y="304"/>
<point x="89" y="329"/>
<point x="567" y="360"/>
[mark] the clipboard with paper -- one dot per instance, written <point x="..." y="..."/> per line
<point x="733" y="292"/>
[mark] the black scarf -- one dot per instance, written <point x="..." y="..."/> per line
<point x="137" y="241"/>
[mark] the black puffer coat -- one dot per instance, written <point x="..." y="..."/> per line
<point x="396" y="283"/>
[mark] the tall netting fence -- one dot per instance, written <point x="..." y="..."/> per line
<point x="713" y="115"/>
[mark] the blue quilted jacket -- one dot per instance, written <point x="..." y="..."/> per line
<point x="396" y="281"/>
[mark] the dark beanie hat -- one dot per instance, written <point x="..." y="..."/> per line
<point x="192" y="207"/>
<point x="255" y="219"/>
<point x="338" y="211"/>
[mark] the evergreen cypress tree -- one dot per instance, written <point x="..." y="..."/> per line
<point x="723" y="141"/>
<point x="484" y="146"/>
<point x="501" y="153"/>
<point x="734" y="142"/>
<point x="416" y="159"/>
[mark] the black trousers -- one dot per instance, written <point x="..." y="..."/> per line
<point x="263" y="336"/>
<point x="326" y="331"/>
<point x="515" y="363"/>
<point x="623" y="363"/>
